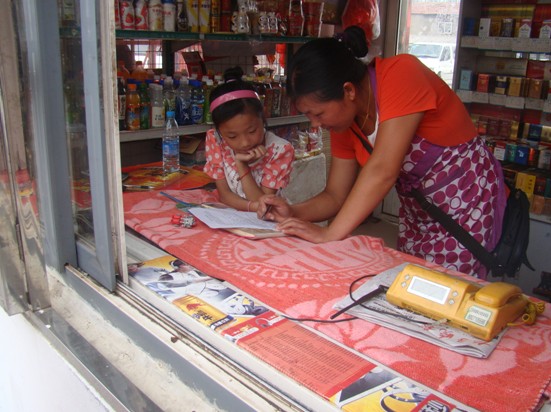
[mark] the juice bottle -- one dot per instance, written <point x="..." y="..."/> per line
<point x="145" y="106"/>
<point x="132" y="108"/>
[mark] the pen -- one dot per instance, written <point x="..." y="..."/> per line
<point x="269" y="207"/>
<point x="266" y="211"/>
<point x="181" y="202"/>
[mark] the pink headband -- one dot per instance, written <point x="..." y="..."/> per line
<point x="238" y="94"/>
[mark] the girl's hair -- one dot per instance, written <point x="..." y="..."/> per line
<point x="233" y="82"/>
<point x="323" y="65"/>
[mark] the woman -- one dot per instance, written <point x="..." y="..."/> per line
<point x="421" y="137"/>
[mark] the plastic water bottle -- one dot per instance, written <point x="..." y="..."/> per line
<point x="171" y="145"/>
<point x="157" y="105"/>
<point x="168" y="94"/>
<point x="183" y="102"/>
<point x="197" y="101"/>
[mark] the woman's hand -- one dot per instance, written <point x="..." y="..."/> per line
<point x="273" y="207"/>
<point x="252" y="155"/>
<point x="305" y="230"/>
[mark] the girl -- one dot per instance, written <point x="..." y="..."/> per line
<point x="244" y="159"/>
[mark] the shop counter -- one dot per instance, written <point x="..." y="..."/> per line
<point x="301" y="280"/>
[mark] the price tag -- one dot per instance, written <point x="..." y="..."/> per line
<point x="521" y="44"/>
<point x="497" y="99"/>
<point x="503" y="43"/>
<point x="541" y="45"/>
<point x="547" y="106"/>
<point x="486" y="43"/>
<point x="533" y="104"/>
<point x="466" y="96"/>
<point x="515" y="102"/>
<point x="480" y="97"/>
<point x="469" y="41"/>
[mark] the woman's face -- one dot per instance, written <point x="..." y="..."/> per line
<point x="243" y="132"/>
<point x="332" y="115"/>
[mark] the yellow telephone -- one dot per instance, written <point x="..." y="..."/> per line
<point x="482" y="311"/>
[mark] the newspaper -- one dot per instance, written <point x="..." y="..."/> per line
<point x="377" y="310"/>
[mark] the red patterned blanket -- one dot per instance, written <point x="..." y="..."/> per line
<point x="302" y="279"/>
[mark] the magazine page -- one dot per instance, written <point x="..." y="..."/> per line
<point x="381" y="312"/>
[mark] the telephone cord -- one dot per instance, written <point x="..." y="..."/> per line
<point x="533" y="309"/>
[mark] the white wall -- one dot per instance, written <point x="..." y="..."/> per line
<point x="34" y="376"/>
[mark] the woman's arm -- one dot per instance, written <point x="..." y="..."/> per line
<point x="342" y="174"/>
<point x="367" y="191"/>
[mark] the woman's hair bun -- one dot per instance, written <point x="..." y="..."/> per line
<point x="233" y="73"/>
<point x="354" y="38"/>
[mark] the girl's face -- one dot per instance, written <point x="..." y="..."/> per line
<point x="332" y="115"/>
<point x="243" y="132"/>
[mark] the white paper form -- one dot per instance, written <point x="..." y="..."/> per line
<point x="230" y="219"/>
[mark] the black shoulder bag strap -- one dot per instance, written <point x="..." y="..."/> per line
<point x="454" y="228"/>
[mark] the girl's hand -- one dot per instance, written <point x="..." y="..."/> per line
<point x="252" y="155"/>
<point x="305" y="230"/>
<point x="273" y="207"/>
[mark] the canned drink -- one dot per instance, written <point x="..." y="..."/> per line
<point x="204" y="16"/>
<point x="193" y="15"/>
<point x="127" y="15"/>
<point x="169" y="16"/>
<point x="141" y="16"/>
<point x="155" y="14"/>
<point x="117" y="15"/>
<point x="215" y="16"/>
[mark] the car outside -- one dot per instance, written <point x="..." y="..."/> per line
<point x="439" y="57"/>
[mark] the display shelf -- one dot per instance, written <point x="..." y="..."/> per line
<point x="513" y="102"/>
<point x="132" y="136"/>
<point x="511" y="44"/>
<point x="166" y="35"/>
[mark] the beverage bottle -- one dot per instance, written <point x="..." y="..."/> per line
<point x="122" y="71"/>
<point x="296" y="18"/>
<point x="121" y="99"/>
<point x="276" y="99"/>
<point x="127" y="15"/>
<point x="207" y="88"/>
<point x="145" y="106"/>
<point x="183" y="102"/>
<point x="215" y="16"/>
<point x="169" y="95"/>
<point x="285" y="103"/>
<point x="169" y="15"/>
<point x="197" y="102"/>
<point x="157" y="105"/>
<point x="171" y="145"/>
<point x="141" y="15"/>
<point x="132" y="108"/>
<point x="182" y="21"/>
<point x="204" y="16"/>
<point x="155" y="14"/>
<point x="117" y="15"/>
<point x="139" y="74"/>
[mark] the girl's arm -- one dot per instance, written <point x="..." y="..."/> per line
<point x="233" y="200"/>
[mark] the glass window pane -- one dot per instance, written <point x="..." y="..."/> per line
<point x="429" y="31"/>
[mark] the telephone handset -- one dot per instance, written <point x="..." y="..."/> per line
<point x="482" y="311"/>
<point x="497" y="294"/>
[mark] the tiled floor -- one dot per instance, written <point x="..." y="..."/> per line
<point x="382" y="228"/>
